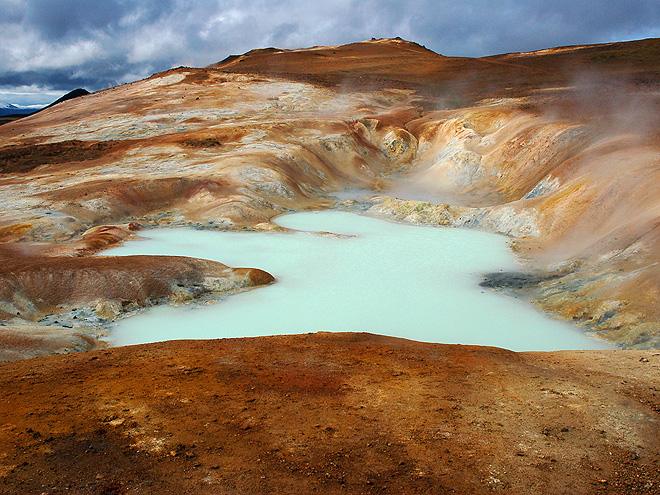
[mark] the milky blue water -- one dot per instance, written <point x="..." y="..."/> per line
<point x="394" y="279"/>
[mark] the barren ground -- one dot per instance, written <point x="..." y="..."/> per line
<point x="330" y="413"/>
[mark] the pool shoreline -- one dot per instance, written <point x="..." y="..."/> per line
<point x="379" y="324"/>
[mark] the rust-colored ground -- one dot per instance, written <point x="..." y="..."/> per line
<point x="330" y="413"/>
<point x="461" y="81"/>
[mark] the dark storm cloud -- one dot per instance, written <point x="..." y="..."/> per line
<point x="100" y="43"/>
<point x="56" y="80"/>
<point x="64" y="19"/>
<point x="95" y="74"/>
<point x="489" y="27"/>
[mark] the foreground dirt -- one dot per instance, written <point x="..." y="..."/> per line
<point x="330" y="413"/>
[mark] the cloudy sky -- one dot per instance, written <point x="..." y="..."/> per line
<point x="49" y="47"/>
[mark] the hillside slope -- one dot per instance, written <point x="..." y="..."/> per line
<point x="558" y="149"/>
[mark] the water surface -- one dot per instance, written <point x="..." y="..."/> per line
<point x="394" y="279"/>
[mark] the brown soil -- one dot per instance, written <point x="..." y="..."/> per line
<point x="459" y="81"/>
<point x="6" y="119"/>
<point x="21" y="159"/>
<point x="330" y="413"/>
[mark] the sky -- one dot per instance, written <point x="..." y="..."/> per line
<point x="50" y="47"/>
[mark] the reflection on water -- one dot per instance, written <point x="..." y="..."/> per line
<point x="408" y="281"/>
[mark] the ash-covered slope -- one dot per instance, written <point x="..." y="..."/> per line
<point x="558" y="149"/>
<point x="10" y="112"/>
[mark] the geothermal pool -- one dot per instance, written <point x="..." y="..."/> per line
<point x="395" y="279"/>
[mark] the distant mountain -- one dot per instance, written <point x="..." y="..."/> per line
<point x="11" y="109"/>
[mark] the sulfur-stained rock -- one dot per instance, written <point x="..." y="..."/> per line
<point x="33" y="287"/>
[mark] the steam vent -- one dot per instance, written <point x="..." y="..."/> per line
<point x="558" y="150"/>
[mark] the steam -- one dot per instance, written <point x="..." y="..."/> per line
<point x="614" y="106"/>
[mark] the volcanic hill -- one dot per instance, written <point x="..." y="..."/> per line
<point x="558" y="149"/>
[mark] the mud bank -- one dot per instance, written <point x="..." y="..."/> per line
<point x="73" y="298"/>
